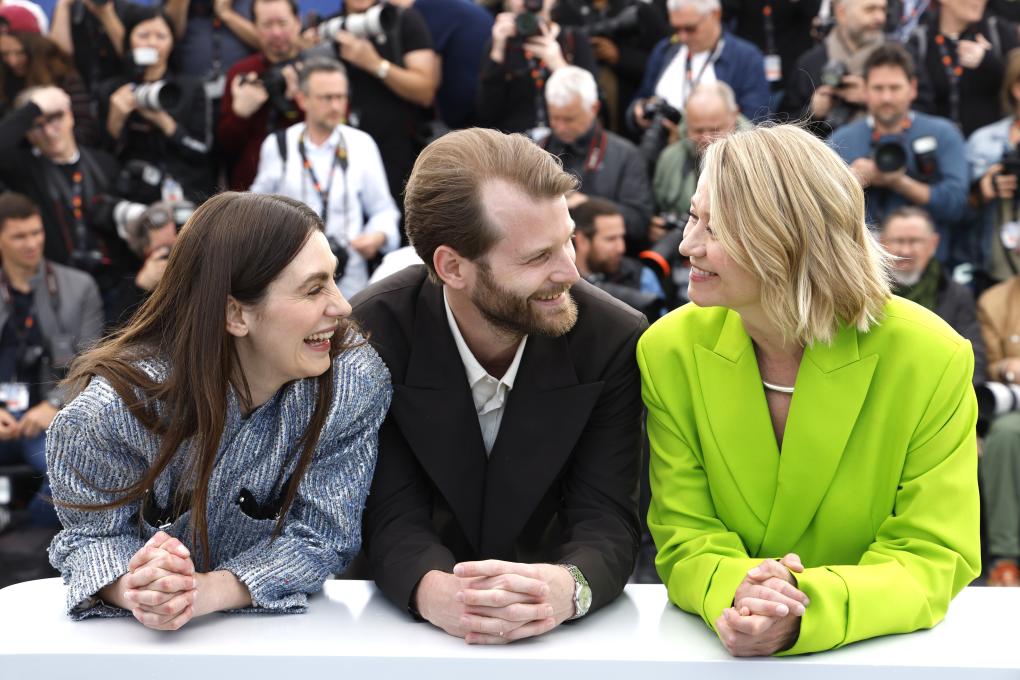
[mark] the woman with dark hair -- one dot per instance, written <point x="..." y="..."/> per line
<point x="30" y="60"/>
<point x="219" y="452"/>
<point x="156" y="117"/>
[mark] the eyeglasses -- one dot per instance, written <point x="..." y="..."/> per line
<point x="906" y="242"/>
<point x="50" y="118"/>
<point x="326" y="98"/>
<point x="684" y="29"/>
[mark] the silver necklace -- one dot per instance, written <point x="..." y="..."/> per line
<point x="777" y="388"/>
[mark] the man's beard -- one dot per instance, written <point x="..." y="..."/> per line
<point x="514" y="314"/>
<point x="905" y="279"/>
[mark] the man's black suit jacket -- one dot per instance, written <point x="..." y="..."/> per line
<point x="561" y="482"/>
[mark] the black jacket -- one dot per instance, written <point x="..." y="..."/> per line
<point x="561" y="482"/>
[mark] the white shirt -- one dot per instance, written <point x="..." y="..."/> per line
<point x="673" y="85"/>
<point x="365" y="180"/>
<point x="488" y="393"/>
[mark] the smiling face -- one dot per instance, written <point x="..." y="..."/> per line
<point x="716" y="279"/>
<point x="522" y="284"/>
<point x="287" y="335"/>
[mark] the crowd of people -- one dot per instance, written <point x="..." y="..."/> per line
<point x="121" y="121"/>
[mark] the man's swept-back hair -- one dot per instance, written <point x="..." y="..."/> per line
<point x="443" y="198"/>
<point x="787" y="209"/>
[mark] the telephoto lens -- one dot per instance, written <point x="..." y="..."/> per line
<point x="157" y="96"/>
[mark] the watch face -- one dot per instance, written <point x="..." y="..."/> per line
<point x="583" y="600"/>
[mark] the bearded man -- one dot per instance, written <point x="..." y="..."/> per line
<point x="505" y="495"/>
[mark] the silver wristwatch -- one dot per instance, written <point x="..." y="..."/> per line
<point x="582" y="591"/>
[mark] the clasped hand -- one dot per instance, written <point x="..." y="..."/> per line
<point x="495" y="602"/>
<point x="766" y="611"/>
<point x="161" y="586"/>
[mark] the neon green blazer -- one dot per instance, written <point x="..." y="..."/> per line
<point x="875" y="487"/>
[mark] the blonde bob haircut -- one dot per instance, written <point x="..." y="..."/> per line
<point x="787" y="209"/>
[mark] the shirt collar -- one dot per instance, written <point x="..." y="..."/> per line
<point x="475" y="371"/>
<point x="330" y="143"/>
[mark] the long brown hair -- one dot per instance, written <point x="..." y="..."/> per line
<point x="235" y="244"/>
<point x="47" y="64"/>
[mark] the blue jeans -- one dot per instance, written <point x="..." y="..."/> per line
<point x="32" y="451"/>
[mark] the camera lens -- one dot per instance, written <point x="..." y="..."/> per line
<point x="890" y="156"/>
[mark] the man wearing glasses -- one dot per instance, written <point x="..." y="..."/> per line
<point x="700" y="51"/>
<point x="70" y="183"/>
<point x="337" y="170"/>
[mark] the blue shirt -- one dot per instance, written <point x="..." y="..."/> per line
<point x="949" y="183"/>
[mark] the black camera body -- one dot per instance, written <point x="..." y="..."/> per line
<point x="339" y="251"/>
<point x="891" y="155"/>
<point x="527" y="24"/>
<point x="833" y="73"/>
<point x="1011" y="162"/>
<point x="654" y="140"/>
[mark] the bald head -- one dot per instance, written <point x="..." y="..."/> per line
<point x="711" y="113"/>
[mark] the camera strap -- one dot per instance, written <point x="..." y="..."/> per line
<point x="953" y="71"/>
<point x="339" y="160"/>
<point x="690" y="80"/>
<point x="50" y="277"/>
<point x="769" y="25"/>
<point x="594" y="157"/>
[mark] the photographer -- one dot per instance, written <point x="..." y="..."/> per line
<point x="258" y="99"/>
<point x="393" y="74"/>
<point x="827" y="85"/>
<point x="155" y="115"/>
<point x="150" y="236"/>
<point x="992" y="153"/>
<point x="527" y="47"/>
<point x="607" y="165"/>
<point x="962" y="56"/>
<point x="70" y="183"/>
<point x="1000" y="456"/>
<point x="600" y="259"/>
<point x="711" y="113"/>
<point x="93" y="34"/>
<point x="49" y="313"/>
<point x="902" y="157"/>
<point x="701" y="51"/>
<point x="335" y="169"/>
<point x="622" y="34"/>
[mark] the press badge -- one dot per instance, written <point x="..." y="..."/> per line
<point x="14" y="396"/>
<point x="214" y="88"/>
<point x="773" y="68"/>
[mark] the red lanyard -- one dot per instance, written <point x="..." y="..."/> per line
<point x="953" y="73"/>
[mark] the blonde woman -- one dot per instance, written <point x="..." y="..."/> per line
<point x="814" y="461"/>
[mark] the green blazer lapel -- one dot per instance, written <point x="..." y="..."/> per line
<point x="832" y="383"/>
<point x="741" y="437"/>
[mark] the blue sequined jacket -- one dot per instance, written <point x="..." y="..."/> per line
<point x="95" y="437"/>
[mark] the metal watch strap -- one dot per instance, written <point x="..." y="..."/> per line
<point x="582" y="591"/>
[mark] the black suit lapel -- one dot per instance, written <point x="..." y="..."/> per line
<point x="436" y="414"/>
<point x="545" y="414"/>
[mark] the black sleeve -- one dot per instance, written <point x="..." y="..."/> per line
<point x="634" y="57"/>
<point x="414" y="32"/>
<point x="191" y="139"/>
<point x="577" y="50"/>
<point x="14" y="125"/>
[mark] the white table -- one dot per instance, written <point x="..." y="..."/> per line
<point x="350" y="631"/>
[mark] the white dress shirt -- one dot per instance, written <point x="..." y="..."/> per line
<point x="673" y="85"/>
<point x="369" y="193"/>
<point x="488" y="393"/>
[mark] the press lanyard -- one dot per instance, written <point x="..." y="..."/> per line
<point x="953" y="73"/>
<point x="339" y="160"/>
<point x="690" y="82"/>
<point x="217" y="57"/>
<point x="770" y="28"/>
<point x="595" y="155"/>
<point x="538" y="71"/>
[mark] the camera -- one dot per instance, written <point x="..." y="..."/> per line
<point x="1011" y="162"/>
<point x="654" y="140"/>
<point x="624" y="22"/>
<point x="672" y="221"/>
<point x="158" y="96"/>
<point x="375" y="23"/>
<point x="833" y="73"/>
<point x="994" y="398"/>
<point x="339" y="251"/>
<point x="527" y="23"/>
<point x="889" y="156"/>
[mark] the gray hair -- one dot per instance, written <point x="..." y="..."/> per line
<point x="703" y="6"/>
<point x="318" y="65"/>
<point x="716" y="89"/>
<point x="569" y="82"/>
